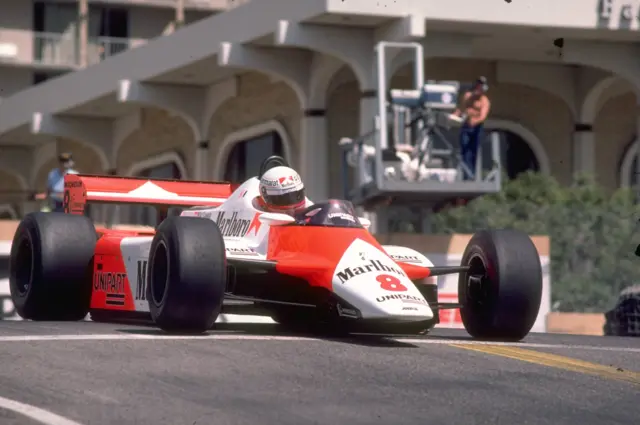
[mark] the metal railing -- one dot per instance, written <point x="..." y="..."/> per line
<point x="100" y="48"/>
<point x="55" y="49"/>
<point x="188" y="4"/>
<point x="63" y="49"/>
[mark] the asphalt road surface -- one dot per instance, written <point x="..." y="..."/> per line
<point x="102" y="374"/>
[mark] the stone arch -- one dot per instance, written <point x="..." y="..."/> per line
<point x="239" y="136"/>
<point x="325" y="69"/>
<point x="66" y="130"/>
<point x="159" y="131"/>
<point x="84" y="155"/>
<point x="8" y="211"/>
<point x="145" y="97"/>
<point x="627" y="164"/>
<point x="589" y="107"/>
<point x="14" y="191"/>
<point x="18" y="179"/>
<point x="614" y="130"/>
<point x="259" y="100"/>
<point x="527" y="136"/>
<point x="164" y="158"/>
<point x="343" y="120"/>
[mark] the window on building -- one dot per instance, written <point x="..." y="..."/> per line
<point x="146" y="215"/>
<point x="108" y="32"/>
<point x="246" y="156"/>
<point x="516" y="156"/>
<point x="41" y="77"/>
<point x="54" y="33"/>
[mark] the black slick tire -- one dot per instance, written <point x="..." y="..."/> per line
<point x="51" y="265"/>
<point x="502" y="291"/>
<point x="187" y="274"/>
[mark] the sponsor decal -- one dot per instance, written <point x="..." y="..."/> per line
<point x="407" y="258"/>
<point x="390" y="283"/>
<point x="111" y="283"/>
<point x="371" y="266"/>
<point x="141" y="281"/>
<point x="71" y="184"/>
<point x="255" y="224"/>
<point x="270" y="183"/>
<point x="405" y="298"/>
<point x="232" y="226"/>
<point x="241" y="251"/>
<point x="346" y="312"/>
<point x="289" y="180"/>
<point x="204" y="214"/>
<point x="409" y="309"/>
<point x="343" y="216"/>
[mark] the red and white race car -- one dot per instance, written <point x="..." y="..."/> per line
<point x="321" y="267"/>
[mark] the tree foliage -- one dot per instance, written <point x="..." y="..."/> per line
<point x="593" y="234"/>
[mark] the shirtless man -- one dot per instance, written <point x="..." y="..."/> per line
<point x="474" y="110"/>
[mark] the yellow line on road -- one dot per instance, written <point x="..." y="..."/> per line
<point x="553" y="360"/>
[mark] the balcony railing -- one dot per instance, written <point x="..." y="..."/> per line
<point x="100" y="48"/>
<point x="212" y="5"/>
<point x="54" y="49"/>
<point x="62" y="50"/>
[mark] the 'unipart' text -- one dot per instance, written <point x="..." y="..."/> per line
<point x="372" y="266"/>
<point x="411" y="299"/>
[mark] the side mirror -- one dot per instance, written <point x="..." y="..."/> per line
<point x="275" y="219"/>
<point x="366" y="223"/>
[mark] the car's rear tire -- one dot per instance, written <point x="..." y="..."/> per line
<point x="502" y="292"/>
<point x="51" y="266"/>
<point x="187" y="274"/>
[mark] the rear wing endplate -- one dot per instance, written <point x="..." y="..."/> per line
<point x="81" y="189"/>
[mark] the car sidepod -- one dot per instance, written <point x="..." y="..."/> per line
<point x="368" y="279"/>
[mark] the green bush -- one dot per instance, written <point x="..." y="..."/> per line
<point x="593" y="234"/>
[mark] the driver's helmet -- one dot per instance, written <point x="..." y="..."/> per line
<point x="282" y="190"/>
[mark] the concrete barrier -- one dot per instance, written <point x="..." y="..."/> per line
<point x="575" y="323"/>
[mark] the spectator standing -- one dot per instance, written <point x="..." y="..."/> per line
<point x="474" y="111"/>
<point x="55" y="181"/>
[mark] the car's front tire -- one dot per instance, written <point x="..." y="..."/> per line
<point x="187" y="274"/>
<point x="502" y="291"/>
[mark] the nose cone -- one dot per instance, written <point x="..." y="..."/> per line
<point x="373" y="283"/>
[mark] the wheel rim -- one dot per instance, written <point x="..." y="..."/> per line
<point x="23" y="266"/>
<point x="478" y="284"/>
<point x="159" y="274"/>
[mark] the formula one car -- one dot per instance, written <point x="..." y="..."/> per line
<point x="320" y="267"/>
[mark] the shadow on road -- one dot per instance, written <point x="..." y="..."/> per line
<point x="268" y="329"/>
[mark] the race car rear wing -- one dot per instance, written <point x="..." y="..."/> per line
<point x="81" y="189"/>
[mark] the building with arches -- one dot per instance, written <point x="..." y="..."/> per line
<point x="279" y="77"/>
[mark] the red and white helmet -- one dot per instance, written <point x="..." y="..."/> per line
<point x="282" y="190"/>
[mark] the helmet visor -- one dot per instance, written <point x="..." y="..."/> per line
<point x="285" y="200"/>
